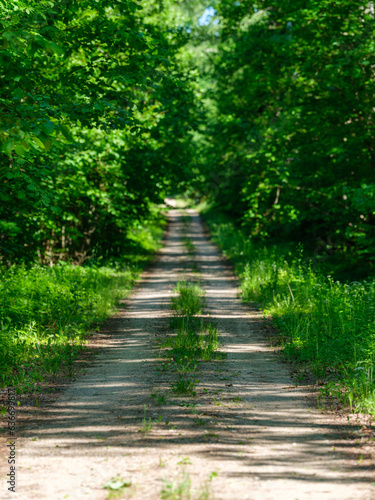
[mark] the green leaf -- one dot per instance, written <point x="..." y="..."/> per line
<point x="7" y="147"/>
<point x="48" y="127"/>
<point x="37" y="141"/>
<point x="55" y="48"/>
<point x="66" y="132"/>
<point x="25" y="145"/>
<point x="116" y="484"/>
<point x="19" y="149"/>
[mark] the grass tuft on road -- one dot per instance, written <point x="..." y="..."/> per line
<point x="180" y="489"/>
<point x="194" y="339"/>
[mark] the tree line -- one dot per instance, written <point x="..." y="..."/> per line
<point x="290" y="140"/>
<point x="266" y="109"/>
<point x="94" y="116"/>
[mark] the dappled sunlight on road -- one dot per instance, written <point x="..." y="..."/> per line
<point x="248" y="423"/>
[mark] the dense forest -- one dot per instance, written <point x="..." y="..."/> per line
<point x="262" y="114"/>
<point x="96" y="114"/>
<point x="266" y="109"/>
<point x="291" y="142"/>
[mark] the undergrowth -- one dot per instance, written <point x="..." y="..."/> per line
<point x="326" y="325"/>
<point x="46" y="312"/>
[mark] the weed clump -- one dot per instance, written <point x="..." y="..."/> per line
<point x="189" y="300"/>
<point x="194" y="339"/>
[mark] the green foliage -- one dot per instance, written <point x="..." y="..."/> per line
<point x="146" y="423"/>
<point x="70" y="61"/>
<point x="288" y="146"/>
<point x="95" y="115"/>
<point x="46" y="312"/>
<point x="184" y="386"/>
<point x="117" y="487"/>
<point x="180" y="490"/>
<point x="326" y="325"/>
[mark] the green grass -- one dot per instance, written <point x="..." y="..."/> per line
<point x="194" y="339"/>
<point x="160" y="398"/>
<point x="326" y="325"/>
<point x="177" y="490"/>
<point x="180" y="488"/>
<point x="46" y="312"/>
<point x="184" y="386"/>
<point x="189" y="300"/>
<point x="146" y="423"/>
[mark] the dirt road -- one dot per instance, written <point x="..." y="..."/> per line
<point x="251" y="434"/>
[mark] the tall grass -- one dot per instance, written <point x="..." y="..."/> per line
<point x="46" y="312"/>
<point x="327" y="325"/>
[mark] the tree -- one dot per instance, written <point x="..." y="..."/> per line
<point x="89" y="122"/>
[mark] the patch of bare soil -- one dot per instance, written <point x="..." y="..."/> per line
<point x="249" y="433"/>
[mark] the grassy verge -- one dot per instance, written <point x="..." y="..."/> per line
<point x="46" y="313"/>
<point x="325" y="325"/>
